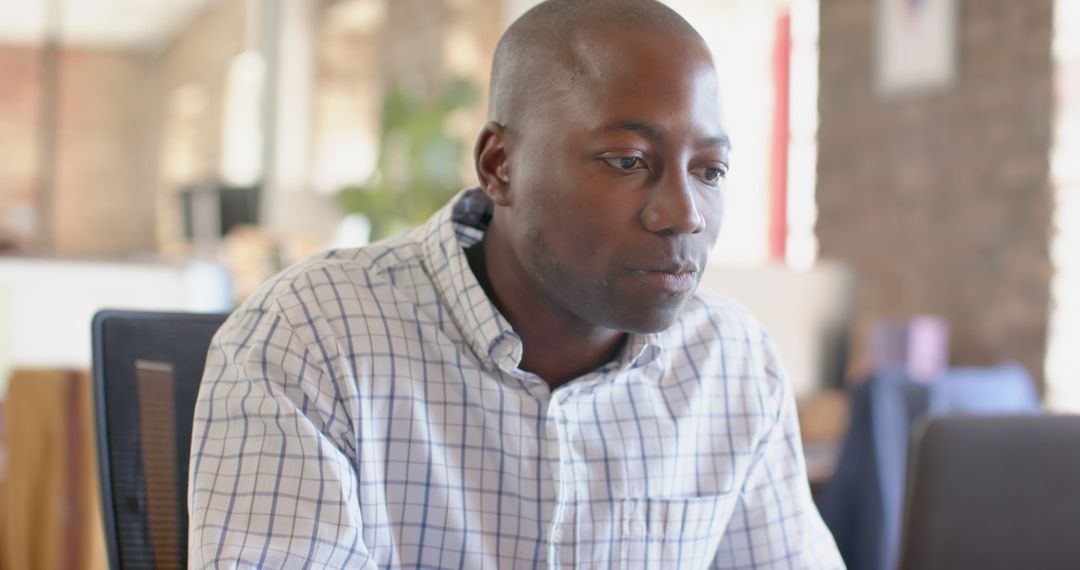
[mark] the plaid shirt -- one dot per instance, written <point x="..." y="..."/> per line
<point x="365" y="409"/>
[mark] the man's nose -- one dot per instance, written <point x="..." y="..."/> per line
<point x="672" y="207"/>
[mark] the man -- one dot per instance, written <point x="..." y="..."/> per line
<point x="528" y="380"/>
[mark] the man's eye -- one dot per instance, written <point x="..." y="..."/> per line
<point x="713" y="174"/>
<point x="626" y="163"/>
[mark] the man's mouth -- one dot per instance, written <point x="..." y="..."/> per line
<point x="669" y="277"/>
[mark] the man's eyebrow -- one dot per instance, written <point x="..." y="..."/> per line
<point x="637" y="127"/>
<point x="722" y="140"/>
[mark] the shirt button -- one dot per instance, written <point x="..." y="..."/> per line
<point x="557" y="535"/>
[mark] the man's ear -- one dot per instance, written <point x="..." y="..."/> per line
<point x="492" y="163"/>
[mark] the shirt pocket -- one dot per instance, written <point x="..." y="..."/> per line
<point x="674" y="532"/>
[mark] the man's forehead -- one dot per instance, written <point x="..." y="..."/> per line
<point x="548" y="60"/>
<point x="602" y="48"/>
<point x="631" y="81"/>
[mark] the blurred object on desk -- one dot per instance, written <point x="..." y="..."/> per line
<point x="823" y="420"/>
<point x="212" y="210"/>
<point x="917" y="347"/>
<point x="824" y="415"/>
<point x="50" y="510"/>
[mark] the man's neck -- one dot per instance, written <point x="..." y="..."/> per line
<point x="557" y="347"/>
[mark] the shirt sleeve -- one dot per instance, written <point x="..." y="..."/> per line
<point x="775" y="523"/>
<point x="271" y="484"/>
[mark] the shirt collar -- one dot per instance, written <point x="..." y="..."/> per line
<point x="459" y="225"/>
<point x="640" y="350"/>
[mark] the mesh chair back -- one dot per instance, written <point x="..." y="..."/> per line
<point x="147" y="367"/>
<point x="995" y="493"/>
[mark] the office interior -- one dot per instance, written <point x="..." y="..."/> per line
<point x="902" y="210"/>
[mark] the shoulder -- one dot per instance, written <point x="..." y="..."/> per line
<point x="359" y="271"/>
<point x="333" y="283"/>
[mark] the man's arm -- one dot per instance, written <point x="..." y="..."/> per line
<point x="270" y="485"/>
<point x="775" y="523"/>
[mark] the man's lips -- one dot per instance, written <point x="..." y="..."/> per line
<point x="671" y="280"/>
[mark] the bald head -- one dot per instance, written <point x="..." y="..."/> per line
<point x="556" y="47"/>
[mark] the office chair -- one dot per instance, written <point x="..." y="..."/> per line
<point x="994" y="493"/>
<point x="146" y="372"/>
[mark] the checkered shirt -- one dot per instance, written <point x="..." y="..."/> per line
<point x="365" y="409"/>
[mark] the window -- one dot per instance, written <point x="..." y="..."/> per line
<point x="1063" y="356"/>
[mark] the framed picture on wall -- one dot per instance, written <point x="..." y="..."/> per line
<point x="916" y="45"/>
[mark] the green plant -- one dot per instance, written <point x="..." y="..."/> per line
<point x="418" y="168"/>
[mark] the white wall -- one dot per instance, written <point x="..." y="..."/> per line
<point x="46" y="306"/>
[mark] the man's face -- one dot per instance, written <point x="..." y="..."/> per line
<point x="617" y="186"/>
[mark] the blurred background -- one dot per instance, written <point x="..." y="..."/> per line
<point x="904" y="193"/>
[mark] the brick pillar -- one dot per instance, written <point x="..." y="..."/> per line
<point x="941" y="201"/>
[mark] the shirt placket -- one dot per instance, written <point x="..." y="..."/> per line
<point x="554" y="449"/>
<point x="558" y="448"/>
<point x="563" y="425"/>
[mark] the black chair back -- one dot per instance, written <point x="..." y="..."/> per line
<point x="147" y="367"/>
<point x="995" y="493"/>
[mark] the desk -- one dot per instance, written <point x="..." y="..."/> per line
<point x="49" y="511"/>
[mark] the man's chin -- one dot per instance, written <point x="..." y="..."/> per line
<point x="646" y="319"/>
